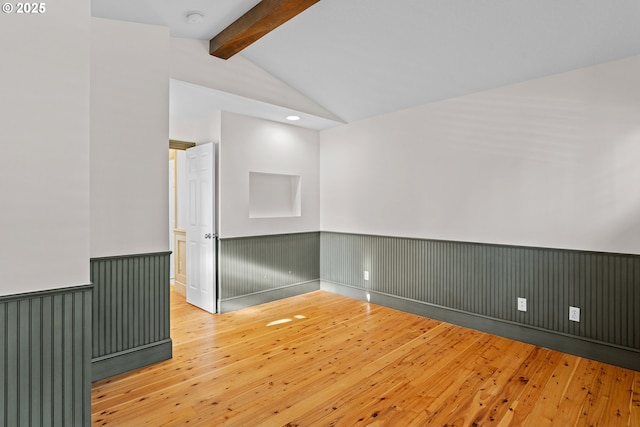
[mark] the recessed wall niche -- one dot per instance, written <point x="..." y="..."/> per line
<point x="273" y="195"/>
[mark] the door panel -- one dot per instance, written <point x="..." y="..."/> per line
<point x="201" y="236"/>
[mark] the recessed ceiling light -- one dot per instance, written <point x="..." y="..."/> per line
<point x="195" y="17"/>
<point x="293" y="118"/>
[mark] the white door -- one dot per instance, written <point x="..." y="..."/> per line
<point x="201" y="238"/>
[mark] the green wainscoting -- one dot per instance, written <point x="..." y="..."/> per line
<point x="130" y="312"/>
<point x="477" y="285"/>
<point x="45" y="358"/>
<point x="255" y="270"/>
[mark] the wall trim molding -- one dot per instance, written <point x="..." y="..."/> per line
<point x="253" y="236"/>
<point x="114" y="257"/>
<point x="261" y="297"/>
<point x="496" y="245"/>
<point x="582" y="347"/>
<point x="127" y="360"/>
<point x="44" y="292"/>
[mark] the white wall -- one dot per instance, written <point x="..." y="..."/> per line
<point x="44" y="132"/>
<point x="200" y="131"/>
<point x="129" y="138"/>
<point x="253" y="145"/>
<point x="551" y="162"/>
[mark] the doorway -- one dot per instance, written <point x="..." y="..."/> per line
<point x="193" y="241"/>
<point x="177" y="220"/>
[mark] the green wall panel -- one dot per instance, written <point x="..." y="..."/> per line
<point x="261" y="268"/>
<point x="45" y="358"/>
<point x="130" y="312"/>
<point x="485" y="280"/>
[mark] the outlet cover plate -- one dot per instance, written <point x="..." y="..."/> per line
<point x="366" y="275"/>
<point x="522" y="304"/>
<point x="574" y="314"/>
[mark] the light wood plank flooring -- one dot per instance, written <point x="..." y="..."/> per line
<point x="324" y="360"/>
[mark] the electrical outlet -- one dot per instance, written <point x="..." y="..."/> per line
<point x="574" y="314"/>
<point x="366" y="275"/>
<point x="522" y="304"/>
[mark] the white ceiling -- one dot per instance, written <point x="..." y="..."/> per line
<point x="361" y="58"/>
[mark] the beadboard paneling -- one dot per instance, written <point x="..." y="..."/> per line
<point x="130" y="312"/>
<point x="486" y="280"/>
<point x="45" y="358"/>
<point x="264" y="266"/>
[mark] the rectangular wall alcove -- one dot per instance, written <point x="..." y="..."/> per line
<point x="273" y="195"/>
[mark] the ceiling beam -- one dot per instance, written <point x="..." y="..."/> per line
<point x="258" y="21"/>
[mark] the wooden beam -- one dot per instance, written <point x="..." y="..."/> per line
<point x="258" y="21"/>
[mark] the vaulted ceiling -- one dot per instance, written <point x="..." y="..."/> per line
<point x="361" y="58"/>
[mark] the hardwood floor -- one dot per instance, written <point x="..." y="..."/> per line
<point x="324" y="360"/>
